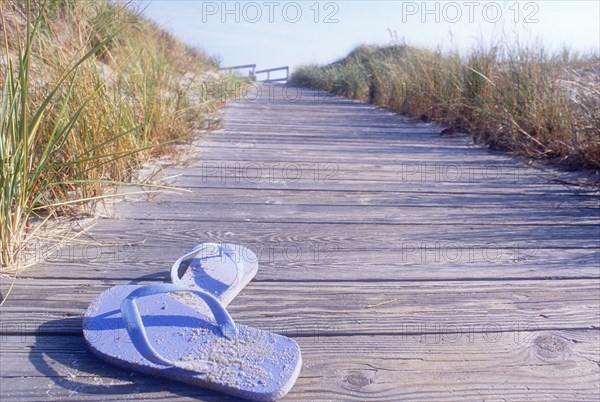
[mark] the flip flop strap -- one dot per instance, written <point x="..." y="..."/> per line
<point x="223" y="249"/>
<point x="137" y="330"/>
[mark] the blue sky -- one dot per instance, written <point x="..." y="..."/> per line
<point x="279" y="33"/>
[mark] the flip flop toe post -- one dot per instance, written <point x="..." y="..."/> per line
<point x="152" y="330"/>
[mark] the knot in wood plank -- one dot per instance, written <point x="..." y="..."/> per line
<point x="550" y="346"/>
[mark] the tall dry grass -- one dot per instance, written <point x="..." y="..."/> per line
<point x="85" y="98"/>
<point x="519" y="98"/>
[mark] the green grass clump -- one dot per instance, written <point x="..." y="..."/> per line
<point x="83" y="102"/>
<point x="522" y="99"/>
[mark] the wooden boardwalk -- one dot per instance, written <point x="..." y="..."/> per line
<point x="406" y="264"/>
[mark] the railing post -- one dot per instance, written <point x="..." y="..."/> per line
<point x="271" y="70"/>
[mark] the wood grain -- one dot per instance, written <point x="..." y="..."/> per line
<point x="535" y="365"/>
<point x="307" y="260"/>
<point x="409" y="266"/>
<point x="347" y="308"/>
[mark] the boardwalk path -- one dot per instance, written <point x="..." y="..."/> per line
<point x="406" y="264"/>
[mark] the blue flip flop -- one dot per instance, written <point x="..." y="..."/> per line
<point x="150" y="329"/>
<point x="222" y="270"/>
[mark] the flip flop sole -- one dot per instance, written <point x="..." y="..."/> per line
<point x="256" y="365"/>
<point x="214" y="273"/>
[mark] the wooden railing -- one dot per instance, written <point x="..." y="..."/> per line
<point x="252" y="74"/>
<point x="251" y="67"/>
<point x="270" y="70"/>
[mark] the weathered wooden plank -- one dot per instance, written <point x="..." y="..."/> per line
<point x="307" y="260"/>
<point x="313" y="137"/>
<point x="177" y="211"/>
<point x="421" y="171"/>
<point x="539" y="365"/>
<point x="372" y="153"/>
<point x="412" y="170"/>
<point x="354" y="235"/>
<point x="343" y="308"/>
<point x="241" y="193"/>
<point x="421" y="199"/>
<point x="328" y="176"/>
<point x="390" y="187"/>
<point x="300" y="252"/>
<point x="405" y="148"/>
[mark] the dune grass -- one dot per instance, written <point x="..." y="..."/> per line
<point x="84" y="101"/>
<point x="517" y="98"/>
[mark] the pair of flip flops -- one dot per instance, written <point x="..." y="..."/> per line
<point x="182" y="331"/>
